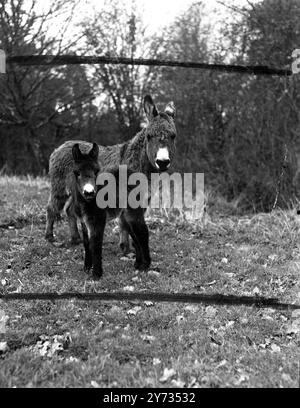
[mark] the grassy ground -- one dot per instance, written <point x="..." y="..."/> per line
<point x="141" y="344"/>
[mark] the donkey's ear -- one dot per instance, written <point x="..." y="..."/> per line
<point x="150" y="108"/>
<point x="170" y="109"/>
<point x="93" y="153"/>
<point x="77" y="155"/>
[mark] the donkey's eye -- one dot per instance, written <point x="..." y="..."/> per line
<point x="149" y="137"/>
<point x="76" y="173"/>
<point x="173" y="136"/>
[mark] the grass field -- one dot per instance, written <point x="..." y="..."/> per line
<point x="143" y="344"/>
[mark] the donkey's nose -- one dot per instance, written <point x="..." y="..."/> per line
<point x="163" y="165"/>
<point x="89" y="194"/>
<point x="89" y="191"/>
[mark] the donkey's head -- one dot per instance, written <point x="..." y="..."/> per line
<point x="85" y="169"/>
<point x="160" y="133"/>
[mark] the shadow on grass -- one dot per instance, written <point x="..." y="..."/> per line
<point x="216" y="299"/>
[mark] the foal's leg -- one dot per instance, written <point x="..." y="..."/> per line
<point x="88" y="261"/>
<point x="96" y="243"/>
<point x="95" y="225"/>
<point x="135" y="224"/>
<point x="124" y="237"/>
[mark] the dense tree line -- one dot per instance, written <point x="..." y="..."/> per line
<point x="242" y="131"/>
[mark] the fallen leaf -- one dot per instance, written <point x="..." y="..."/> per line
<point x="153" y="273"/>
<point x="178" y="383"/>
<point x="134" y="311"/>
<point x="130" y="255"/>
<point x="211" y="283"/>
<point x="167" y="375"/>
<point x="242" y="379"/>
<point x="147" y="338"/>
<point x="192" y="308"/>
<point x="3" y="347"/>
<point x="47" y="346"/>
<point x="72" y="359"/>
<point x="124" y="258"/>
<point x="294" y="327"/>
<point x="275" y="348"/>
<point x="196" y="385"/>
<point x="150" y="382"/>
<point x="148" y="303"/>
<point x="115" y="309"/>
<point x="179" y="318"/>
<point x="296" y="314"/>
<point x="222" y="364"/>
<point x="192" y="382"/>
<point x="125" y="337"/>
<point x="156" y="361"/>
<point x="210" y="311"/>
<point x="224" y="260"/>
<point x="3" y="320"/>
<point x="286" y="377"/>
<point x="94" y="384"/>
<point x="273" y="257"/>
<point x="128" y="288"/>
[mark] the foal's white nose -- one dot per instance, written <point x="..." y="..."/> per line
<point x="88" y="188"/>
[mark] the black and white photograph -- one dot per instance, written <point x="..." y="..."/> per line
<point x="149" y="197"/>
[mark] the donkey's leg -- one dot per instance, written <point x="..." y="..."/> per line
<point x="88" y="261"/>
<point x="96" y="243"/>
<point x="138" y="230"/>
<point x="54" y="207"/>
<point x="124" y="237"/>
<point x="95" y="225"/>
<point x="72" y="221"/>
<point x="50" y="223"/>
<point x="125" y="219"/>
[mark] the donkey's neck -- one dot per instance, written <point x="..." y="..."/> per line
<point x="135" y="154"/>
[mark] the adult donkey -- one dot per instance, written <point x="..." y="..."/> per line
<point x="150" y="150"/>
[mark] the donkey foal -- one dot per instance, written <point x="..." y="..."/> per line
<point x="83" y="189"/>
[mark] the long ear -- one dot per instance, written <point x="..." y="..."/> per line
<point x="170" y="109"/>
<point x="93" y="153"/>
<point x="150" y="108"/>
<point x="77" y="155"/>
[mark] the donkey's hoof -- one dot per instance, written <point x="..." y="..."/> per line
<point x="125" y="248"/>
<point x="142" y="266"/>
<point x="75" y="241"/>
<point x="50" y="238"/>
<point x="87" y="269"/>
<point x="97" y="274"/>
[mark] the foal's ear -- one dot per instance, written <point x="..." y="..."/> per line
<point x="149" y="107"/>
<point x="77" y="155"/>
<point x="170" y="109"/>
<point x="93" y="153"/>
